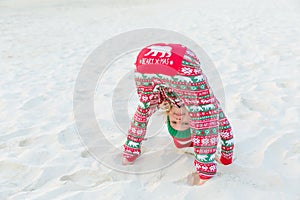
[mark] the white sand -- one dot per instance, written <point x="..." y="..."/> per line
<point x="254" y="44"/>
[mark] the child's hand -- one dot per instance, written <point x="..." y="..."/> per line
<point x="194" y="179"/>
<point x="218" y="159"/>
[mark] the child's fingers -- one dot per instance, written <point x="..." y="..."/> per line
<point x="202" y="181"/>
<point x="218" y="159"/>
<point x="194" y="179"/>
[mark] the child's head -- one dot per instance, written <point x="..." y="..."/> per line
<point x="178" y="117"/>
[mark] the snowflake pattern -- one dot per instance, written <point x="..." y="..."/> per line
<point x="212" y="168"/>
<point x="187" y="70"/>
<point x="197" y="166"/>
<point x="139" y="132"/>
<point x="144" y="98"/>
<point x="214" y="140"/>
<point x="196" y="141"/>
<point x="197" y="71"/>
<point x="205" y="141"/>
<point x="224" y="134"/>
<point x="133" y="130"/>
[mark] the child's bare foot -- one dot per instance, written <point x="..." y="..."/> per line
<point x="126" y="162"/>
<point x="194" y="179"/>
<point x="129" y="160"/>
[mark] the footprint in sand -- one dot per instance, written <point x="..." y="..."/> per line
<point x="3" y="145"/>
<point x="25" y="142"/>
<point x="87" y="178"/>
<point x="33" y="102"/>
<point x="16" y="176"/>
<point x="68" y="138"/>
<point x="85" y="154"/>
<point x="287" y="84"/>
<point x="258" y="105"/>
<point x="282" y="153"/>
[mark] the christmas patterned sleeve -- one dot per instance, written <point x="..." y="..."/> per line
<point x="226" y="136"/>
<point x="148" y="104"/>
<point x="204" y="113"/>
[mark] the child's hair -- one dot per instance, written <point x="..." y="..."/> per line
<point x="166" y="106"/>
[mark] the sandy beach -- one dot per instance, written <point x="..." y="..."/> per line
<point x="254" y="46"/>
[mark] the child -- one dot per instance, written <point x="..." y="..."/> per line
<point x="169" y="76"/>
